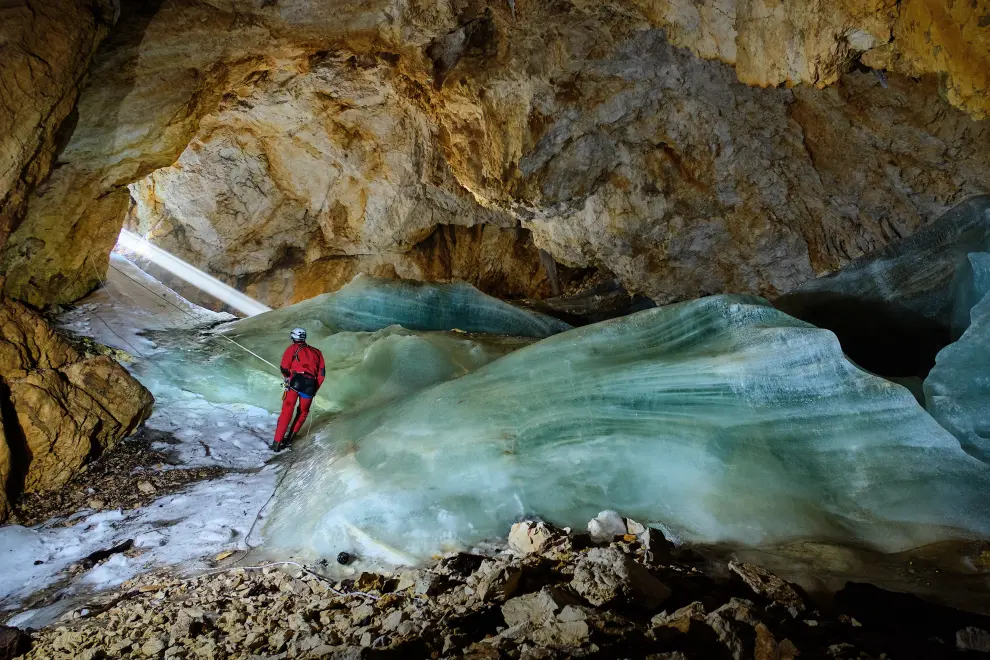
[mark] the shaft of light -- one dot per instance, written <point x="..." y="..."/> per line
<point x="245" y="304"/>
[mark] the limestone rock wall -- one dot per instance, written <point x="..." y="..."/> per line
<point x="618" y="152"/>
<point x="150" y="82"/>
<point x="59" y="408"/>
<point x="45" y="49"/>
<point x="4" y="473"/>
<point x="268" y="140"/>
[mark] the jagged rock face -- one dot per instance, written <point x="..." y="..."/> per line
<point x="792" y="42"/>
<point x="59" y="407"/>
<point x="151" y="82"/>
<point x="647" y="162"/>
<point x="947" y="38"/>
<point x="324" y="170"/>
<point x="45" y="48"/>
<point x="328" y="141"/>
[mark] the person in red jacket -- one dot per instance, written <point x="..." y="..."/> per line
<point x="304" y="371"/>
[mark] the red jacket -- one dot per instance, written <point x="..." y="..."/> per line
<point x="304" y="359"/>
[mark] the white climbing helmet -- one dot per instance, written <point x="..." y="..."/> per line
<point x="299" y="334"/>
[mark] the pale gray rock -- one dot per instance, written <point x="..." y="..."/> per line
<point x="154" y="647"/>
<point x="393" y="620"/>
<point x="549" y="618"/>
<point x="606" y="574"/>
<point x="606" y="526"/>
<point x="973" y="639"/>
<point x="680" y="619"/>
<point x="499" y="584"/>
<point x="429" y="583"/>
<point x="533" y="537"/>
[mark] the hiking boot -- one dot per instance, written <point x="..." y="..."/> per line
<point x="277" y="447"/>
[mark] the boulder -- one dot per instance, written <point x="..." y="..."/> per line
<point x="27" y="342"/>
<point x="191" y="622"/>
<point x="429" y="583"/>
<point x="68" y="415"/>
<point x="393" y="621"/>
<point x="533" y="537"/>
<point x="550" y="617"/>
<point x="606" y="574"/>
<point x="732" y="634"/>
<point x="737" y="627"/>
<point x="63" y="408"/>
<point x="681" y="619"/>
<point x="497" y="583"/>
<point x="768" y="585"/>
<point x="767" y="647"/>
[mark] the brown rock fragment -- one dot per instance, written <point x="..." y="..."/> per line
<point x="606" y="574"/>
<point x="768" y="585"/>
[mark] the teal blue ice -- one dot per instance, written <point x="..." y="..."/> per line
<point x="957" y="391"/>
<point x="368" y="304"/>
<point x="381" y="339"/>
<point x="720" y="419"/>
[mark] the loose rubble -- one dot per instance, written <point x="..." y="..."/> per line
<point x="552" y="594"/>
<point x="131" y="476"/>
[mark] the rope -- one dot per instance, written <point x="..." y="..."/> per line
<point x="309" y="421"/>
<point x="278" y="485"/>
<point x="191" y="316"/>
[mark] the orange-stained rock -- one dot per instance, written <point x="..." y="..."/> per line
<point x="69" y="415"/>
<point x="949" y="39"/>
<point x="623" y="154"/>
<point x="28" y="343"/>
<point x="256" y="146"/>
<point x="161" y="68"/>
<point x="45" y="49"/>
<point x="67" y="408"/>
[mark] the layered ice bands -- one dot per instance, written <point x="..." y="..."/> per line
<point x="957" y="391"/>
<point x="367" y="304"/>
<point x="921" y="273"/>
<point x="720" y="419"/>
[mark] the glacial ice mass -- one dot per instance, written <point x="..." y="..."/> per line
<point x="720" y="419"/>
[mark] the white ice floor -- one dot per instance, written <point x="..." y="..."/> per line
<point x="186" y="529"/>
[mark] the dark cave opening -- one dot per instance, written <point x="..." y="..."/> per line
<point x="880" y="336"/>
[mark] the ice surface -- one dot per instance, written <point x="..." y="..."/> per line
<point x="899" y="310"/>
<point x="130" y="303"/>
<point x="180" y="529"/>
<point x="186" y="529"/>
<point x="381" y="339"/>
<point x="368" y="304"/>
<point x="363" y="368"/>
<point x="957" y="391"/>
<point x="211" y="397"/>
<point x="722" y="419"/>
